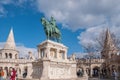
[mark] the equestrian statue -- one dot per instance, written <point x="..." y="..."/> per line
<point x="51" y="29"/>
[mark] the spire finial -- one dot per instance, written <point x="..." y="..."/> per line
<point x="10" y="43"/>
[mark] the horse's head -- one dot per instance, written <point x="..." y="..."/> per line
<point x="43" y="21"/>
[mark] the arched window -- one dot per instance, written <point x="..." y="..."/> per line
<point x="80" y="72"/>
<point x="10" y="55"/>
<point x="25" y="72"/>
<point x="0" y="55"/>
<point x="6" y="55"/>
<point x="96" y="71"/>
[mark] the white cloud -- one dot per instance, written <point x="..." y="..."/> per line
<point x="80" y="55"/>
<point x="75" y="14"/>
<point x="2" y="11"/>
<point x="23" y="51"/>
<point x="80" y="13"/>
<point x="91" y="34"/>
<point x="16" y="3"/>
<point x="5" y="2"/>
<point x="116" y="20"/>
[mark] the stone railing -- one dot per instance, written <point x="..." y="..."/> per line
<point x="91" y="61"/>
<point x="24" y="61"/>
<point x="15" y="60"/>
<point x="8" y="60"/>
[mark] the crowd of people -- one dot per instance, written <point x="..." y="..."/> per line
<point x="11" y="75"/>
<point x="80" y="73"/>
<point x="114" y="74"/>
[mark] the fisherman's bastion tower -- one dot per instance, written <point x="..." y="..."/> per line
<point x="9" y="58"/>
<point x="53" y="64"/>
<point x="103" y="66"/>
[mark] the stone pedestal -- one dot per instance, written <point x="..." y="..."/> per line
<point x="53" y="63"/>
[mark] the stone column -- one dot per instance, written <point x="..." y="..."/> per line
<point x="91" y="71"/>
<point x="85" y="74"/>
<point x="39" y="55"/>
<point x="3" y="55"/>
<point x="22" y="71"/>
<point x="12" y="56"/>
<point x="65" y="54"/>
<point x="47" y="52"/>
<point x="58" y="53"/>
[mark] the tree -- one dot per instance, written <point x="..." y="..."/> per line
<point x="101" y="39"/>
<point x="94" y="50"/>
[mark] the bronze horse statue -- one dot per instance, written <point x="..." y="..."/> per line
<point x="51" y="30"/>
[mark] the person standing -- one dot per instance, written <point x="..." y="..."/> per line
<point x="115" y="75"/>
<point x="13" y="74"/>
<point x="1" y="73"/>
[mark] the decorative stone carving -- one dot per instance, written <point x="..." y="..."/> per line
<point x="56" y="72"/>
<point x="72" y="58"/>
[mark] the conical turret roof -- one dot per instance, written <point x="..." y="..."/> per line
<point x="10" y="43"/>
<point x="109" y="47"/>
<point x="108" y="44"/>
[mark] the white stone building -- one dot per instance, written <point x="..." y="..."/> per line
<point x="109" y="61"/>
<point x="9" y="58"/>
<point x="52" y="61"/>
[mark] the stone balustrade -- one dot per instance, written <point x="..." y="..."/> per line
<point x="15" y="60"/>
<point x="91" y="61"/>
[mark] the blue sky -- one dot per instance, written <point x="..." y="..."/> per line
<point x="29" y="32"/>
<point x="80" y="21"/>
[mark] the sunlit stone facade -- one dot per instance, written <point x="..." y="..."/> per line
<point x="9" y="58"/>
<point x="53" y="62"/>
<point x="104" y="66"/>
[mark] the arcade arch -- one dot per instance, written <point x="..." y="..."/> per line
<point x="80" y="72"/>
<point x="96" y="71"/>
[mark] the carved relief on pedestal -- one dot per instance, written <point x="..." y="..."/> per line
<point x="37" y="71"/>
<point x="59" y="72"/>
